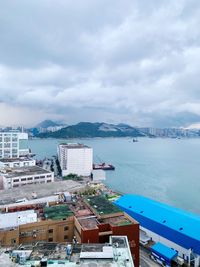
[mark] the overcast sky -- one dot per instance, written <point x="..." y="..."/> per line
<point x="133" y="61"/>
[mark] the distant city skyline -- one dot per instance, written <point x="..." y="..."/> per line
<point x="135" y="62"/>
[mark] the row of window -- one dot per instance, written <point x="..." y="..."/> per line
<point x="30" y="178"/>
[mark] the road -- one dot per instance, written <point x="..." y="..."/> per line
<point x="145" y="260"/>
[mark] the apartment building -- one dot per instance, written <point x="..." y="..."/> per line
<point x="13" y="144"/>
<point x="16" y="177"/>
<point x="75" y="158"/>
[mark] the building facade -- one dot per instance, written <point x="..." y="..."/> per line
<point x="76" y="159"/>
<point x="13" y="144"/>
<point x="17" y="177"/>
<point x="17" y="162"/>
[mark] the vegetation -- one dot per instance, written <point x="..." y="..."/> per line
<point x="88" y="130"/>
<point x="73" y="177"/>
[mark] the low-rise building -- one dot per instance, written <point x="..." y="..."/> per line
<point x="96" y="219"/>
<point x="177" y="229"/>
<point x="51" y="224"/>
<point x="16" y="177"/>
<point x="17" y="162"/>
<point x="115" y="253"/>
<point x="75" y="159"/>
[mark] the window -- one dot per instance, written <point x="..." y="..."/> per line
<point x="13" y="241"/>
<point x="30" y="178"/>
<point x="23" y="179"/>
<point x="16" y="180"/>
<point x="50" y="231"/>
<point x="48" y="176"/>
<point x="66" y="228"/>
<point x="48" y="181"/>
<point x="36" y="178"/>
<point x="50" y="239"/>
<point x="65" y="237"/>
<point x="42" y="176"/>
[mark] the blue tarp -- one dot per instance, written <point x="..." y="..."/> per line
<point x="164" y="251"/>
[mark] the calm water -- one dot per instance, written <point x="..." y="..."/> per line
<point x="167" y="170"/>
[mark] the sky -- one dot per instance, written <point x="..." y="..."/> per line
<point x="130" y="61"/>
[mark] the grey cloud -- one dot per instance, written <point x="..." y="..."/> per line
<point x="132" y="61"/>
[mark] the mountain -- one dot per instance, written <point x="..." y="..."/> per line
<point x="88" y="129"/>
<point x="46" y="124"/>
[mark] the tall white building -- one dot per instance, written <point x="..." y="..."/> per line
<point x="75" y="158"/>
<point x="13" y="144"/>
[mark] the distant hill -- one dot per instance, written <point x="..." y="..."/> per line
<point x="88" y="129"/>
<point x="46" y="124"/>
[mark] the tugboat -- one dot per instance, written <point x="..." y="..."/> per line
<point x="103" y="166"/>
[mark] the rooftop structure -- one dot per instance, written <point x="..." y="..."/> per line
<point x="75" y="159"/>
<point x="179" y="229"/>
<point x="10" y="220"/>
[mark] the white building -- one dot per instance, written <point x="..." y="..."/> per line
<point x="13" y="144"/>
<point x="16" y="162"/>
<point x="76" y="159"/>
<point x="15" y="177"/>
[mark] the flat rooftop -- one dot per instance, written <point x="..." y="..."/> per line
<point x="73" y="145"/>
<point x="58" y="212"/>
<point x="85" y="255"/>
<point x="102" y="206"/>
<point x="4" y="160"/>
<point x="22" y="171"/>
<point x="9" y="196"/>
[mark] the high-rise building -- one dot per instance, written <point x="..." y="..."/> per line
<point x="75" y="158"/>
<point x="13" y="144"/>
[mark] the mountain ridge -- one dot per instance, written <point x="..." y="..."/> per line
<point x="97" y="129"/>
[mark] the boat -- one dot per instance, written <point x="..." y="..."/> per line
<point x="103" y="166"/>
<point x="135" y="140"/>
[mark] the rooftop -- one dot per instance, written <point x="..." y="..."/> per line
<point x="22" y="171"/>
<point x="102" y="206"/>
<point x="14" y="219"/>
<point x="184" y="224"/>
<point x="73" y="145"/>
<point x="5" y="160"/>
<point x="9" y="196"/>
<point x="164" y="251"/>
<point x="115" y="253"/>
<point x="58" y="212"/>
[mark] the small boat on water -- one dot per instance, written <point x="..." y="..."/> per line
<point x="135" y="140"/>
<point x="103" y="166"/>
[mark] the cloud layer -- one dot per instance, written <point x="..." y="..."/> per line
<point x="97" y="60"/>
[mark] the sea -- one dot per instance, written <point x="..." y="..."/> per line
<point x="167" y="170"/>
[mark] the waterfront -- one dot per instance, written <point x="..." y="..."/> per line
<point x="163" y="169"/>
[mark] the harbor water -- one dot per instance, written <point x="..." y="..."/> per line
<point x="167" y="170"/>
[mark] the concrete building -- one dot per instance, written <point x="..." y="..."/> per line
<point x="96" y="219"/>
<point x="15" y="177"/>
<point x="17" y="162"/>
<point x="171" y="227"/>
<point x="13" y="144"/>
<point x="51" y="224"/>
<point x="75" y="158"/>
